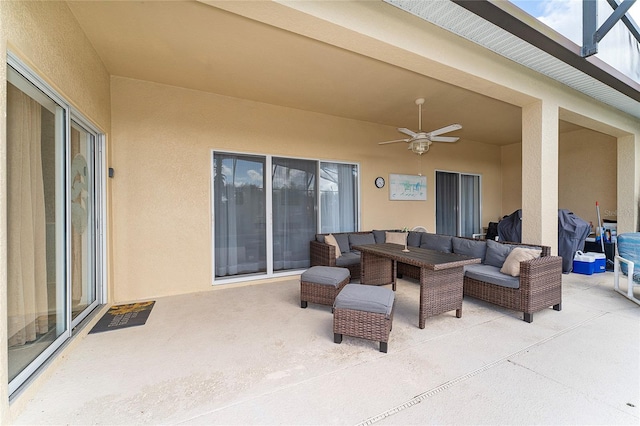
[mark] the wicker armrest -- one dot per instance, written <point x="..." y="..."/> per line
<point x="322" y="254"/>
<point x="541" y="274"/>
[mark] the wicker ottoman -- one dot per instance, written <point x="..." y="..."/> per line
<point x="363" y="311"/>
<point x="321" y="284"/>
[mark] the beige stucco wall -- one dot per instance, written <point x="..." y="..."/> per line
<point x="511" y="156"/>
<point x="47" y="38"/>
<point x="587" y="164"/>
<point x="163" y="137"/>
<point x="587" y="173"/>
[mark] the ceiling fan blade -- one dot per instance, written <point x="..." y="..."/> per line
<point x="397" y="140"/>
<point x="447" y="129"/>
<point x="407" y="132"/>
<point x="444" y="138"/>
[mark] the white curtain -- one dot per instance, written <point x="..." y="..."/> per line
<point x="338" y="197"/>
<point x="26" y="253"/>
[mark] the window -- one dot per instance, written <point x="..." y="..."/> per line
<point x="53" y="246"/>
<point x="247" y="241"/>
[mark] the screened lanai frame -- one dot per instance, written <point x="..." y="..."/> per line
<point x="268" y="189"/>
<point x="68" y="116"/>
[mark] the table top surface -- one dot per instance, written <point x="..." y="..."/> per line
<point x="424" y="258"/>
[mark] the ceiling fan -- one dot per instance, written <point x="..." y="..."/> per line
<point x="420" y="141"/>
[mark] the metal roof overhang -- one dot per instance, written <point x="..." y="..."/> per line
<point x="507" y="30"/>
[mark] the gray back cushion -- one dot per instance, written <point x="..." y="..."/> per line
<point x="358" y="239"/>
<point x="413" y="239"/>
<point x="343" y="242"/>
<point x="471" y="248"/>
<point x="497" y="253"/>
<point x="436" y="242"/>
<point x="379" y="236"/>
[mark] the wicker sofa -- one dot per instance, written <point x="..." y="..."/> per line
<point x="538" y="286"/>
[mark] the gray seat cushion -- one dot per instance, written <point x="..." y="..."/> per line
<point x="492" y="275"/>
<point x="350" y="258"/>
<point x="327" y="275"/>
<point x="365" y="298"/>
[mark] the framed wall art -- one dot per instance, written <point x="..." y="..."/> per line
<point x="407" y="187"/>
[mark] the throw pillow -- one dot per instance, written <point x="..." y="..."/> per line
<point x="512" y="263"/>
<point x="396" y="237"/>
<point x="331" y="240"/>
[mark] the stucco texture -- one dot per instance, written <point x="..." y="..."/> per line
<point x="163" y="138"/>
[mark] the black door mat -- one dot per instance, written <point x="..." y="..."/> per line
<point x="122" y="316"/>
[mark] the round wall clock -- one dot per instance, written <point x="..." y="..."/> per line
<point x="379" y="182"/>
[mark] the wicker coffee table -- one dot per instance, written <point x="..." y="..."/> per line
<point x="441" y="274"/>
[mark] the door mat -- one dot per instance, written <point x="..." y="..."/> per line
<point x="122" y="316"/>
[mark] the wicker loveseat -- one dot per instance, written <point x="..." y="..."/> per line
<point x="538" y="286"/>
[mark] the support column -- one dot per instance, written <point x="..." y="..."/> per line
<point x="628" y="184"/>
<point x="540" y="174"/>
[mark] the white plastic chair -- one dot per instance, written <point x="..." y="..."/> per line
<point x="627" y="262"/>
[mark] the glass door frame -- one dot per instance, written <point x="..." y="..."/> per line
<point x="63" y="207"/>
<point x="459" y="199"/>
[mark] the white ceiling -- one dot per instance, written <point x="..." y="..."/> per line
<point x="200" y="47"/>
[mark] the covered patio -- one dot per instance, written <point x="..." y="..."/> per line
<point x="251" y="355"/>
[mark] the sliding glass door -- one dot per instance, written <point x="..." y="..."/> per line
<point x="458" y="204"/>
<point x="239" y="209"/>
<point x="52" y="232"/>
<point x="262" y="223"/>
<point x="294" y="201"/>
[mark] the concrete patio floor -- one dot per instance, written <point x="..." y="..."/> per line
<point x="251" y="355"/>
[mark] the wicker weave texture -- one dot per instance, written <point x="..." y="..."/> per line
<point x="540" y="287"/>
<point x="320" y="293"/>
<point x="440" y="291"/>
<point x="376" y="270"/>
<point x="366" y="325"/>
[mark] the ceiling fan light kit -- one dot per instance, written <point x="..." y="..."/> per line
<point x="420" y="141"/>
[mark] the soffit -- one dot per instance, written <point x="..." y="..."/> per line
<point x="463" y="22"/>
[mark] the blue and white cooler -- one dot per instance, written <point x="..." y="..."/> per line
<point x="600" y="262"/>
<point x="583" y="264"/>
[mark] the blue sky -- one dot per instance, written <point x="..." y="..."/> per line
<point x="565" y="16"/>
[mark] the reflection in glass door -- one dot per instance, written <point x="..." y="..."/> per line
<point x="53" y="244"/>
<point x="239" y="210"/>
<point x="81" y="192"/>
